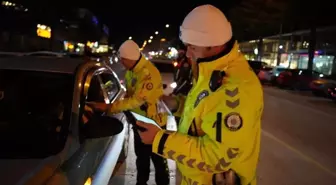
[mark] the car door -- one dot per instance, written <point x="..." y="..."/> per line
<point x="86" y="160"/>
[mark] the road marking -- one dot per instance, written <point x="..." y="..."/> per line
<point x="305" y="157"/>
<point x="301" y="105"/>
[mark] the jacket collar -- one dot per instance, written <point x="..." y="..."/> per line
<point x="139" y="65"/>
<point x="220" y="61"/>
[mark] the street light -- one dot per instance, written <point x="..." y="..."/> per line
<point x="167" y="25"/>
<point x="151" y="37"/>
<point x="156" y="32"/>
<point x="130" y="38"/>
<point x="149" y="41"/>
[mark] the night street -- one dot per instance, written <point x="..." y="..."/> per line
<point x="298" y="142"/>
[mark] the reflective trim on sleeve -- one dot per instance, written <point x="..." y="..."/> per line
<point x="162" y="142"/>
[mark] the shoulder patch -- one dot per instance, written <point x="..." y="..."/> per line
<point x="233" y="121"/>
<point x="201" y="96"/>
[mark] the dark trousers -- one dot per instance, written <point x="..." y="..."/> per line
<point x="144" y="154"/>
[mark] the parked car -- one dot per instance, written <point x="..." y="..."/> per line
<point x="256" y="65"/>
<point x="298" y="79"/>
<point x="321" y="86"/>
<point x="332" y="93"/>
<point x="265" y="74"/>
<point x="43" y="136"/>
<point x="275" y="73"/>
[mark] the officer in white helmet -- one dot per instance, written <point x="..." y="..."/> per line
<point x="144" y="89"/>
<point x="218" y="138"/>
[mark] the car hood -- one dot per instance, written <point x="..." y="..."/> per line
<point x="27" y="171"/>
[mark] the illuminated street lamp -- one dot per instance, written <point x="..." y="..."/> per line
<point x="167" y="25"/>
<point x="151" y="37"/>
<point x="130" y="38"/>
<point x="156" y="32"/>
<point x="149" y="41"/>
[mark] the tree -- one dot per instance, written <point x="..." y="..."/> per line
<point x="254" y="18"/>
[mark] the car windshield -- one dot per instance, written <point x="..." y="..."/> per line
<point x="35" y="113"/>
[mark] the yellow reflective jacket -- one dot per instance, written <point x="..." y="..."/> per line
<point x="219" y="129"/>
<point x="144" y="89"/>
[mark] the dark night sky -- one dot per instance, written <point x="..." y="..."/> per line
<point x="139" y="19"/>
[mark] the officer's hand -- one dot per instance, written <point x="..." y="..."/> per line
<point x="101" y="107"/>
<point x="170" y="101"/>
<point x="149" y="134"/>
<point x="89" y="112"/>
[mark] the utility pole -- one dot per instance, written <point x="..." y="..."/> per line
<point x="280" y="42"/>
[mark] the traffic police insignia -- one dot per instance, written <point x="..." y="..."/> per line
<point x="200" y="96"/>
<point x="133" y="82"/>
<point x="149" y="86"/>
<point x="233" y="121"/>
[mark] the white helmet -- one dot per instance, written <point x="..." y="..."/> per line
<point x="206" y="26"/>
<point x="129" y="50"/>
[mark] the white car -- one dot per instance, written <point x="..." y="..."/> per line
<point x="47" y="133"/>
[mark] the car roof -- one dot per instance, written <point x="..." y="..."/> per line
<point x="46" y="64"/>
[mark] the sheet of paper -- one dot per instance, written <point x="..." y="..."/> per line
<point x="144" y="119"/>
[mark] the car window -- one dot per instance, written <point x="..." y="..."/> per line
<point x="110" y="84"/>
<point x="35" y="113"/>
<point x="310" y="73"/>
<point x="103" y="86"/>
<point x="95" y="92"/>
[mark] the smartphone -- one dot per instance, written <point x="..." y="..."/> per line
<point x="144" y="119"/>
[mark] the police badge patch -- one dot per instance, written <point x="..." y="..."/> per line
<point x="200" y="96"/>
<point x="233" y="121"/>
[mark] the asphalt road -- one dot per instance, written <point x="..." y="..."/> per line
<point x="298" y="142"/>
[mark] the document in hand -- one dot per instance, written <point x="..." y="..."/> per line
<point x="144" y="119"/>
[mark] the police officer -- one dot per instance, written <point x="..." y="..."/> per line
<point x="183" y="75"/>
<point x="218" y="139"/>
<point x="144" y="89"/>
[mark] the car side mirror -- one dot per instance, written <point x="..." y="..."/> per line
<point x="102" y="126"/>
<point x="164" y="86"/>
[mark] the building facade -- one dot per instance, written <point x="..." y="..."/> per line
<point x="26" y="30"/>
<point x="291" y="50"/>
